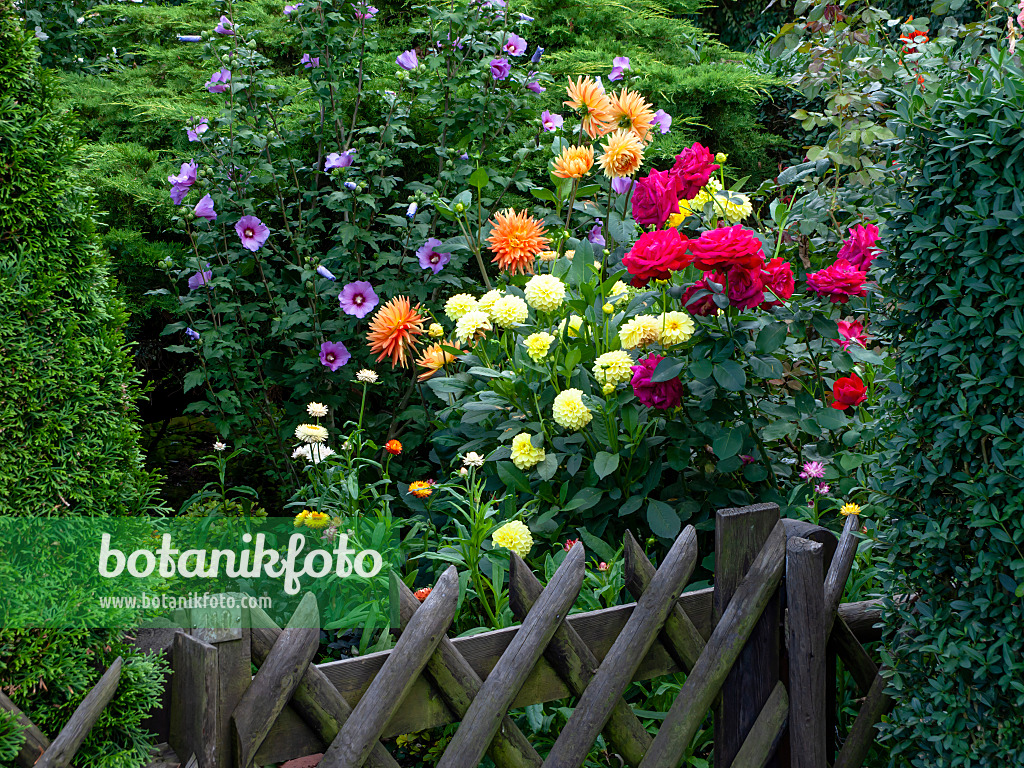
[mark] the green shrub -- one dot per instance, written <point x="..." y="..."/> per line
<point x="69" y="394"/>
<point x="955" y="477"/>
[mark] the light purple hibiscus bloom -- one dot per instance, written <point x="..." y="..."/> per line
<point x="534" y="86"/>
<point x="365" y="12"/>
<point x="338" y="160"/>
<point x="358" y="299"/>
<point x="595" y="236"/>
<point x="407" y="60"/>
<point x="204" y="209"/>
<point x="411" y="210"/>
<point x="325" y="273"/>
<point x="252" y="232"/>
<point x="351" y="186"/>
<point x="334" y="354"/>
<point x="535" y="59"/>
<point x="621" y="185"/>
<point x="515" y="45"/>
<point x="199" y="279"/>
<point x="500" y="68"/>
<point x="225" y="27"/>
<point x="192" y="334"/>
<point x="196" y="128"/>
<point x="430" y="258"/>
<point x="309" y="62"/>
<point x="182" y="182"/>
<point x="551" y="121"/>
<point x="663" y="120"/>
<point x="289" y="9"/>
<point x="619" y="65"/>
<point x="218" y="82"/>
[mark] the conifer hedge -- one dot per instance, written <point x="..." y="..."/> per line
<point x="955" y="477"/>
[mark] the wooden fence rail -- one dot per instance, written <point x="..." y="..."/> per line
<point x="770" y="681"/>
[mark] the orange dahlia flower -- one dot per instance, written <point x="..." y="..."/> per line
<point x="623" y="154"/>
<point x="393" y="331"/>
<point x="516" y="239"/>
<point x="574" y="162"/>
<point x="393" y="447"/>
<point x="434" y="358"/>
<point x="589" y="97"/>
<point x="630" y="110"/>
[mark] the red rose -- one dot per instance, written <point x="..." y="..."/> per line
<point x="656" y="255"/>
<point x="705" y="305"/>
<point x="848" y="391"/>
<point x="726" y="248"/>
<point x="692" y="169"/>
<point x="859" y="247"/>
<point x="777" y="276"/>
<point x="655" y="198"/>
<point x="838" y="282"/>
<point x="745" y="288"/>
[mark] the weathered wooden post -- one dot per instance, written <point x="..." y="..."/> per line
<point x="805" y="600"/>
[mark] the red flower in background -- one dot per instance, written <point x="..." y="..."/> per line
<point x="421" y="594"/>
<point x="726" y="248"/>
<point x="838" y="282"/>
<point x="851" y="331"/>
<point x="705" y="305"/>
<point x="777" y="276"/>
<point x="692" y="169"/>
<point x="655" y="198"/>
<point x="656" y="255"/>
<point x="569" y="543"/>
<point x="859" y="247"/>
<point x="745" y="288"/>
<point x="848" y="391"/>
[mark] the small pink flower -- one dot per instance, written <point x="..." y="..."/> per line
<point x="822" y="488"/>
<point x="812" y="469"/>
<point x="851" y="332"/>
<point x="253" y="232"/>
<point x="602" y="566"/>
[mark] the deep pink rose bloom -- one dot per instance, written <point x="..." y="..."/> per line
<point x="777" y="276"/>
<point x="859" y="247"/>
<point x="661" y="395"/>
<point x="838" y="282"/>
<point x="656" y="255"/>
<point x="334" y="354"/>
<point x="655" y="198"/>
<point x="851" y="332"/>
<point x="358" y="298"/>
<point x="705" y="305"/>
<point x="692" y="169"/>
<point x="252" y="232"/>
<point x="746" y="291"/>
<point x="726" y="248"/>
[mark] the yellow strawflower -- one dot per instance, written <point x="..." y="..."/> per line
<point x="509" y="311"/>
<point x="514" y="536"/>
<point x="317" y="520"/>
<point x="300" y="519"/>
<point x="640" y="331"/>
<point x="613" y="368"/>
<point x="524" y="454"/>
<point x="849" y="509"/>
<point x="460" y="304"/>
<point x="569" y="410"/>
<point x="676" y="327"/>
<point x="470" y="324"/>
<point x="488" y="300"/>
<point x="538" y="344"/>
<point x="544" y="292"/>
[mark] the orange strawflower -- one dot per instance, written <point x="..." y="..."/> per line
<point x="393" y="447"/>
<point x="631" y="111"/>
<point x="393" y="331"/>
<point x="434" y="358"/>
<point x="421" y="594"/>
<point x="586" y="95"/>
<point x="574" y="162"/>
<point x="623" y="154"/>
<point x="516" y="239"/>
<point x="421" y="489"/>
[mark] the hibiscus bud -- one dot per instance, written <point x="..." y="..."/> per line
<point x="460" y="207"/>
<point x="309" y="285"/>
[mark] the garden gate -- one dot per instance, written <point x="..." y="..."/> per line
<point x="760" y="647"/>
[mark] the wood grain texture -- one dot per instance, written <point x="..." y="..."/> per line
<point x="164" y="757"/>
<point x="275" y="682"/>
<point x="63" y="749"/>
<point x="618" y="667"/>
<point x="806" y="627"/>
<point x="763" y="738"/>
<point x="839" y="570"/>
<point x="856" y="660"/>
<point x="35" y="740"/>
<point x="194" y="691"/>
<point x="500" y="687"/>
<point x="862" y="734"/>
<point x="414" y="648"/>
<point x="458" y="684"/>
<point x="576" y="664"/>
<point x="739" y="535"/>
<point x="722" y="649"/>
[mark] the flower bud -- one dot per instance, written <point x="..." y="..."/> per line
<point x="608" y="309"/>
<point x="309" y="285"/>
<point x="460" y="207"/>
<point x="721" y="157"/>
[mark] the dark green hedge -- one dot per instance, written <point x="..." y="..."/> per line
<point x="955" y="482"/>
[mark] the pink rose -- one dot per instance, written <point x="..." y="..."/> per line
<point x="656" y="255"/>
<point x="726" y="248"/>
<point x="838" y="282"/>
<point x="777" y="276"/>
<point x="705" y="305"/>
<point x="851" y="332"/>
<point x="655" y="198"/>
<point x="692" y="170"/>
<point x="745" y="288"/>
<point x="859" y="248"/>
<point x="662" y="394"/>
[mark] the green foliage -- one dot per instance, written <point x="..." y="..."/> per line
<point x="11" y="737"/>
<point x="69" y="440"/>
<point x="954" y="473"/>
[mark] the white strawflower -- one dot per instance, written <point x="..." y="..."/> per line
<point x="366" y="376"/>
<point x="472" y="459"/>
<point x="316" y="410"/>
<point x="311" y="433"/>
<point x="219" y="446"/>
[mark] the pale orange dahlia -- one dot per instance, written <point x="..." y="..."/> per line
<point x="630" y="110"/>
<point x="516" y="239"/>
<point x="586" y="95"/>
<point x="434" y="358"/>
<point x="393" y="331"/>
<point x="623" y="154"/>
<point x="574" y="162"/>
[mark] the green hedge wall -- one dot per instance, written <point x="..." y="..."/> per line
<point x="955" y="483"/>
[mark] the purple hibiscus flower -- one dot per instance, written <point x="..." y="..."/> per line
<point x="204" y="209"/>
<point x="225" y="27"/>
<point x="334" y="354"/>
<point x="407" y="60"/>
<point x="515" y="45"/>
<point x="535" y="59"/>
<point x="192" y="334"/>
<point x="430" y="258"/>
<point x="338" y="160"/>
<point x="551" y="121"/>
<point x="289" y="9"/>
<point x="365" y="12"/>
<point x="199" y="279"/>
<point x="252" y="231"/>
<point x="534" y="86"/>
<point x="500" y="68"/>
<point x="351" y="186"/>
<point x="218" y="82"/>
<point x="183" y="181"/>
<point x="196" y="128"/>
<point x="309" y="62"/>
<point x="619" y="65"/>
<point x="621" y="185"/>
<point x="325" y="273"/>
<point x="357" y="299"/>
<point x="663" y="120"/>
<point x="595" y="236"/>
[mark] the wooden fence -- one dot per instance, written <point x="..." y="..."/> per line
<point x="760" y="648"/>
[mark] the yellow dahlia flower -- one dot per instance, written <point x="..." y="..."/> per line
<point x="613" y="367"/>
<point x="734" y="206"/>
<point x="544" y="292"/>
<point x="509" y="311"/>
<point x="619" y="293"/>
<point x="524" y="454"/>
<point x="640" y="331"/>
<point x="460" y="304"/>
<point x="676" y="327"/>
<point x="488" y="300"/>
<point x="538" y="344"/>
<point x="471" y="324"/>
<point x="569" y="410"/>
<point x="514" y="536"/>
